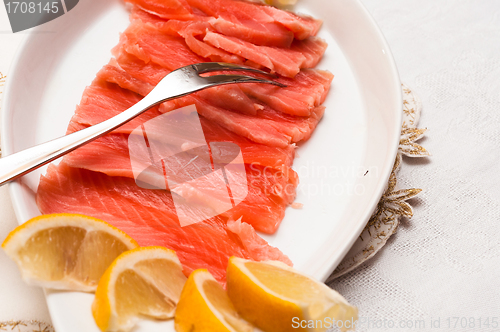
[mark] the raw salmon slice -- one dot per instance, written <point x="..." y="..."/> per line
<point x="301" y="26"/>
<point x="143" y="49"/>
<point x="270" y="189"/>
<point x="259" y="24"/>
<point x="191" y="31"/>
<point x="102" y="100"/>
<point x="149" y="217"/>
<point x="230" y="97"/>
<point x="147" y="42"/>
<point x="286" y="62"/>
<point x="267" y="127"/>
<point x="169" y="9"/>
<point x="265" y="34"/>
<point x="193" y="36"/>
<point x="110" y="153"/>
<point x="302" y="94"/>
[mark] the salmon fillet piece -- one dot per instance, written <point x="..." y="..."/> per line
<point x="267" y="126"/>
<point x="306" y="91"/>
<point x="148" y="41"/>
<point x="149" y="217"/>
<point x="110" y="155"/>
<point x="259" y="24"/>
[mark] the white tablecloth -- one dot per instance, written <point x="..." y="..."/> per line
<point x="443" y="265"/>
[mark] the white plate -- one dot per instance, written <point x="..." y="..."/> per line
<point x="359" y="132"/>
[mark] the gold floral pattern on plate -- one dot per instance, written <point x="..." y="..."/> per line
<point x="392" y="205"/>
<point x="26" y="326"/>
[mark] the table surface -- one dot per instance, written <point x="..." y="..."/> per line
<point x="442" y="266"/>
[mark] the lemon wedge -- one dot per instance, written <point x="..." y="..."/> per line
<point x="65" y="251"/>
<point x="205" y="307"/>
<point x="145" y="281"/>
<point x="276" y="298"/>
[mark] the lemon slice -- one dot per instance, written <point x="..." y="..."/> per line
<point x="205" y="306"/>
<point x="145" y="281"/>
<point x="275" y="297"/>
<point x="65" y="251"/>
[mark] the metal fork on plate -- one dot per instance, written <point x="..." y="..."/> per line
<point x="178" y="83"/>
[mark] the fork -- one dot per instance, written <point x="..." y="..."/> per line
<point x="177" y="83"/>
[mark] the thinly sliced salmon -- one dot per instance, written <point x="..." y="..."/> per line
<point x="286" y="62"/>
<point x="272" y="128"/>
<point x="102" y="100"/>
<point x="230" y="97"/>
<point x="192" y="32"/>
<point x="110" y="155"/>
<point x="170" y="27"/>
<point x="143" y="49"/>
<point x="270" y="189"/>
<point x="302" y="94"/>
<point x="268" y="126"/>
<point x="251" y="13"/>
<point x="149" y="217"/>
<point x="265" y="34"/>
<point x="147" y="42"/>
<point x="169" y="9"/>
<point x="259" y="24"/>
<point x="193" y="36"/>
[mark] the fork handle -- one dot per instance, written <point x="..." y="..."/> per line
<point x="18" y="164"/>
<point x="177" y="83"/>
